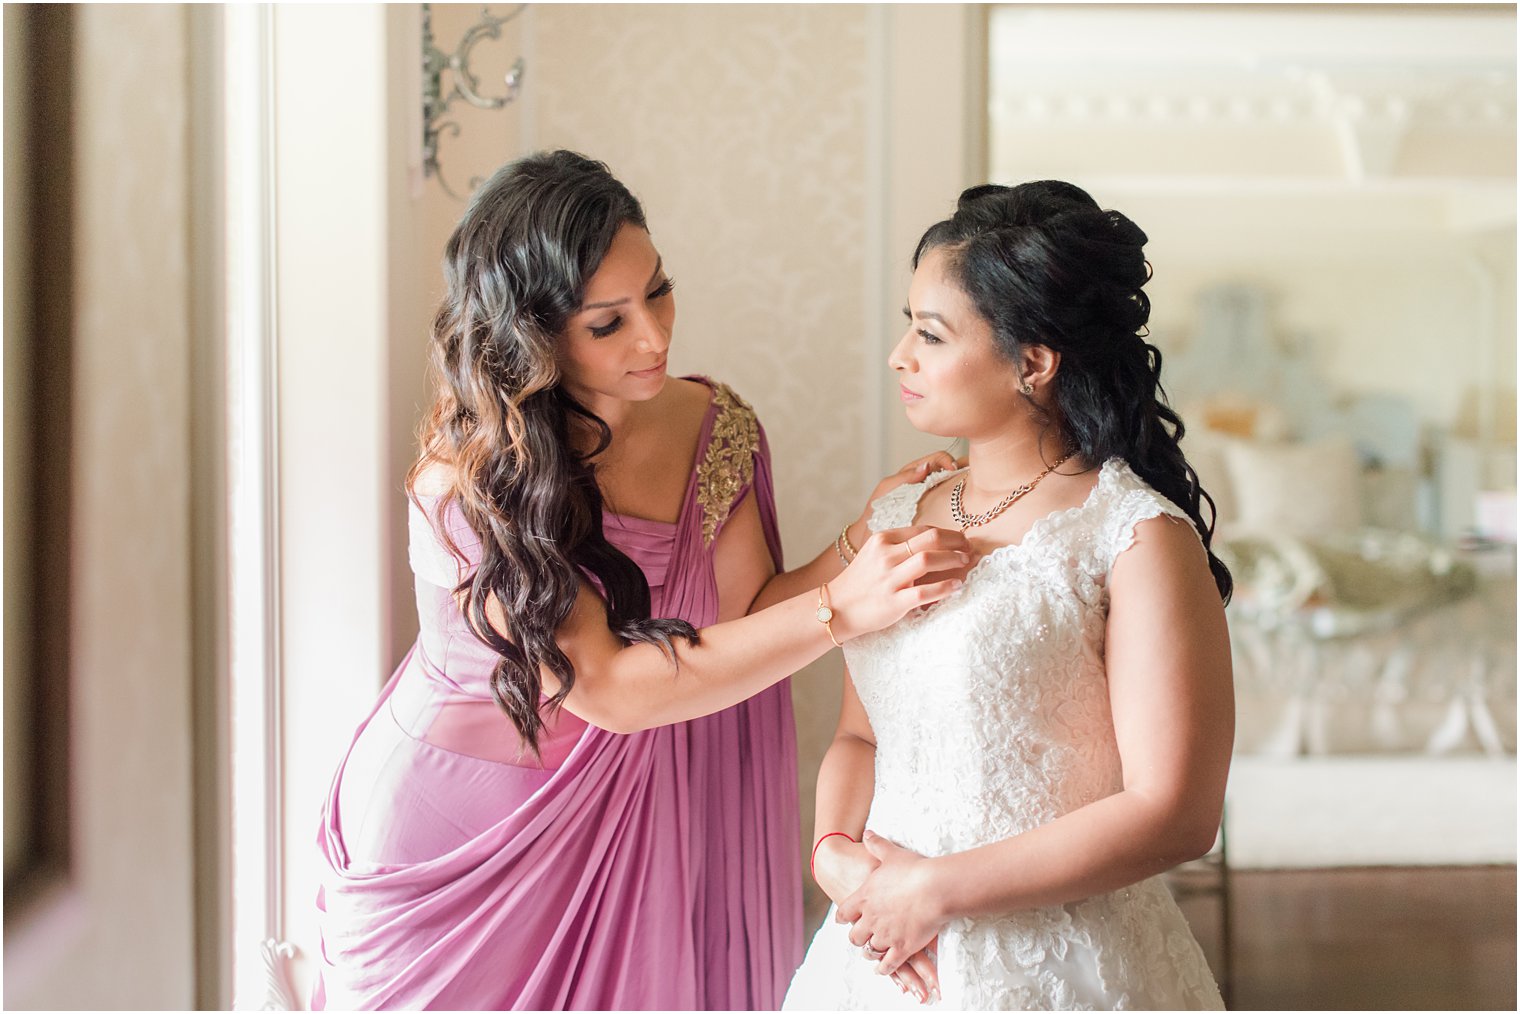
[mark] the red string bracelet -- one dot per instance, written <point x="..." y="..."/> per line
<point x="813" y="860"/>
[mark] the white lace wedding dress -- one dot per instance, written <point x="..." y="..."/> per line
<point x="991" y="717"/>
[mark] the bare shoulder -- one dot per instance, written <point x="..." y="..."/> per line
<point x="689" y="399"/>
<point x="678" y="413"/>
<point x="1166" y="551"/>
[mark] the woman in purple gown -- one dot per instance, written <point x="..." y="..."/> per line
<point x="559" y="802"/>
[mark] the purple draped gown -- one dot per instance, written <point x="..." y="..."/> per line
<point x="657" y="870"/>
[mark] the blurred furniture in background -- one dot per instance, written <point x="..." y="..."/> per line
<point x="1366" y="619"/>
<point x="1372" y="641"/>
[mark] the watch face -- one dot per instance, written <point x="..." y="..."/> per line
<point x="825" y="614"/>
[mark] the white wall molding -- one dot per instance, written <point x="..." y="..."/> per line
<point x="1356" y="95"/>
<point x="253" y="412"/>
<point x="1475" y="98"/>
<point x="337" y="181"/>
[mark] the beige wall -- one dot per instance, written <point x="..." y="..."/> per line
<point x="786" y="174"/>
<point x="787" y="155"/>
<point x="781" y="291"/>
<point x="752" y="162"/>
<point x="790" y="156"/>
<point x="770" y="170"/>
<point x="751" y="159"/>
<point x="410" y="298"/>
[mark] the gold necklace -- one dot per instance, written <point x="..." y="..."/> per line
<point x="977" y="520"/>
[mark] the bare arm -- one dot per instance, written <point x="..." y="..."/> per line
<point x="742" y="561"/>
<point x="846" y="784"/>
<point x="1168" y="663"/>
<point x="826" y="564"/>
<point x="629" y="687"/>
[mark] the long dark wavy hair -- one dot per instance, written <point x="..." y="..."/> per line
<point x="1044" y="264"/>
<point x="503" y="426"/>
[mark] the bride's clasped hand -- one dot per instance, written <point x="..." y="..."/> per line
<point x="895" y="910"/>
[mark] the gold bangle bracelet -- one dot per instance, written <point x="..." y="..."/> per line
<point x="839" y="545"/>
<point x="825" y="615"/>
<point x="844" y="537"/>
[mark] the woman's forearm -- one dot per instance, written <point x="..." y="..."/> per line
<point x="1101" y="847"/>
<point x="821" y="568"/>
<point x="629" y="687"/>
<point x="846" y="784"/>
<point x="640" y="687"/>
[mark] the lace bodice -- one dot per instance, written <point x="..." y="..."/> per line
<point x="994" y="702"/>
<point x="991" y="716"/>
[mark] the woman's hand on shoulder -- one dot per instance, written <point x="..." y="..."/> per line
<point x="916" y="470"/>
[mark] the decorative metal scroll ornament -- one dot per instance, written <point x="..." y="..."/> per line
<point x="435" y="104"/>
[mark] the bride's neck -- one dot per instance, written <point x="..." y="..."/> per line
<point x="1009" y="459"/>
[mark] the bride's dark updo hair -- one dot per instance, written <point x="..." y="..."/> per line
<point x="1046" y="266"/>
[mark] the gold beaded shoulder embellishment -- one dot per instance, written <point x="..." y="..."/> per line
<point x="729" y="464"/>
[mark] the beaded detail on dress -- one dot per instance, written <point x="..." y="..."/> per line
<point x="729" y="464"/>
<point x="991" y="715"/>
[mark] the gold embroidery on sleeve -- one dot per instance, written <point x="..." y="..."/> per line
<point x="729" y="464"/>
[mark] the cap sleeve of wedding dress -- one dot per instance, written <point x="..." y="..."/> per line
<point x="1130" y="500"/>
<point x="896" y="508"/>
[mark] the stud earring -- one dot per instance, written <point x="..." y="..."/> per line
<point x="1026" y="388"/>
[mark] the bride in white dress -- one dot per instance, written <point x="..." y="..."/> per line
<point x="1025" y="757"/>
